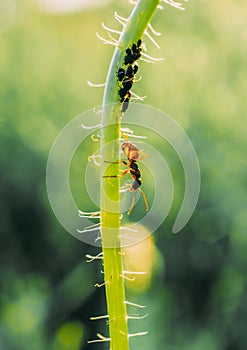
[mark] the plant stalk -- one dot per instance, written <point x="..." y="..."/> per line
<point x="110" y="197"/>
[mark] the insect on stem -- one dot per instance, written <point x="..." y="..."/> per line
<point x="132" y="153"/>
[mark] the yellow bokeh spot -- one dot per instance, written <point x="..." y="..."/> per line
<point x="69" y="336"/>
<point x="20" y="319"/>
<point x="139" y="259"/>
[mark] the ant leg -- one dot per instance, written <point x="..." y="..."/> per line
<point x="144" y="198"/>
<point x="120" y="175"/>
<point x="143" y="155"/>
<point x="124" y="136"/>
<point x="116" y="162"/>
<point x="105" y="176"/>
<point x="132" y="203"/>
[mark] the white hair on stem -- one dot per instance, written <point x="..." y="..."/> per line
<point x="91" y="127"/>
<point x="109" y="29"/>
<point x="95" y="85"/>
<point x="153" y="30"/>
<point x="135" y="305"/>
<point x="151" y="39"/>
<point x="106" y="41"/>
<point x="91" y="258"/>
<point x="100" y="340"/>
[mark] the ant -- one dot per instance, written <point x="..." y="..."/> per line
<point x="132" y="153"/>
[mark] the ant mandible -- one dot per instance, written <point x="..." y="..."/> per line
<point x="132" y="153"/>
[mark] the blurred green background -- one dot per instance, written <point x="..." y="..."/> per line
<point x="197" y="298"/>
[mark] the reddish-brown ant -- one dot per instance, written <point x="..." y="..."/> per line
<point x="132" y="153"/>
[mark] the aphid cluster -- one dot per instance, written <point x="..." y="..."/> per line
<point x="126" y="75"/>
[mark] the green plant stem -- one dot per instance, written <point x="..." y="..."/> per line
<point x="110" y="198"/>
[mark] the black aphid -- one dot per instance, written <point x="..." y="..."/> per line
<point x="121" y="74"/>
<point x="129" y="71"/>
<point x="127" y="84"/>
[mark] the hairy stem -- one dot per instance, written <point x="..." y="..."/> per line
<point x="110" y="198"/>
